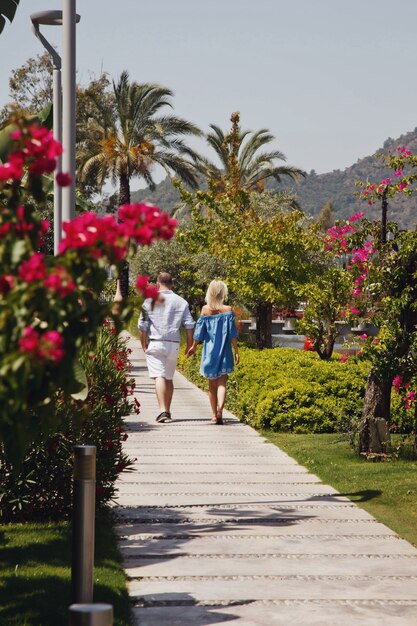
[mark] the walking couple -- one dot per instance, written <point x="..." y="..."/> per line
<point x="159" y="325"/>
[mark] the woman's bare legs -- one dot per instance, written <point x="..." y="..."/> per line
<point x="212" y="394"/>
<point x="221" y="394"/>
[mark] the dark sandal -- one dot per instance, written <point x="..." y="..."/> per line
<point x="219" y="420"/>
<point x="164" y="417"/>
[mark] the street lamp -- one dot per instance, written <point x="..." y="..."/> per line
<point x="64" y="199"/>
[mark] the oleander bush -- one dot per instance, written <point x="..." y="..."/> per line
<point x="41" y="488"/>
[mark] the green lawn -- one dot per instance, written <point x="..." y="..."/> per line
<point x="387" y="490"/>
<point x="35" y="562"/>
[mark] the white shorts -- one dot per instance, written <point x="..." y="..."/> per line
<point x="161" y="359"/>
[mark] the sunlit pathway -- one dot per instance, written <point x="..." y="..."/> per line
<point x="217" y="525"/>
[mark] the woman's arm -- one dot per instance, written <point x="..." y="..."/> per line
<point x="235" y="349"/>
<point x="192" y="349"/>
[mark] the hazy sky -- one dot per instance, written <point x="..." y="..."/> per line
<point x="331" y="79"/>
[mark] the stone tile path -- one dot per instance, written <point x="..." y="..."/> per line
<point x="216" y="525"/>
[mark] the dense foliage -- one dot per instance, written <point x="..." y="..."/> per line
<point x="316" y="190"/>
<point x="292" y="390"/>
<point x="50" y="306"/>
<point x="42" y="487"/>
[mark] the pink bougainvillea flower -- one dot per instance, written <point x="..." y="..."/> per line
<point x="51" y="346"/>
<point x="46" y="347"/>
<point x="63" y="179"/>
<point x="409" y="399"/>
<point x="60" y="282"/>
<point x="356" y="216"/>
<point x="149" y="291"/>
<point x="41" y="150"/>
<point x="142" y="282"/>
<point x="354" y="310"/>
<point x="398" y="173"/>
<point x="344" y="357"/>
<point x="6" y="283"/>
<point x="364" y="336"/>
<point x="13" y="170"/>
<point x="33" y="269"/>
<point x="144" y="222"/>
<point x="29" y="341"/>
<point x="397" y="382"/>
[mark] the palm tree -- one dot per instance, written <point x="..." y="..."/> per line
<point x="7" y="9"/>
<point x="131" y="137"/>
<point x="241" y="163"/>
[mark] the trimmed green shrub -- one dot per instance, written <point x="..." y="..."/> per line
<point x="41" y="488"/>
<point x="292" y="390"/>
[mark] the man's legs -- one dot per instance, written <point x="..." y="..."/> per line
<point x="164" y="391"/>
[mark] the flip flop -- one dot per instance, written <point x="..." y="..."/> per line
<point x="164" y="417"/>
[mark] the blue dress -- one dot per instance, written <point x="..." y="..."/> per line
<point x="216" y="331"/>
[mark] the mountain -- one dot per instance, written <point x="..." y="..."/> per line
<point x="337" y="186"/>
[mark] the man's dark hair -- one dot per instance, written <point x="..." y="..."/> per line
<point x="165" y="279"/>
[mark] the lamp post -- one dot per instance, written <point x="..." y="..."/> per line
<point x="66" y="96"/>
<point x="68" y="107"/>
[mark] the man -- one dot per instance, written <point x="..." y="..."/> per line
<point x="159" y="324"/>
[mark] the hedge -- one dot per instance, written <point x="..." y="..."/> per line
<point x="285" y="389"/>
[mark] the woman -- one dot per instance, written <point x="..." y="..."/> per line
<point x="216" y="328"/>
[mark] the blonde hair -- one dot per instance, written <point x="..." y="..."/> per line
<point x="216" y="294"/>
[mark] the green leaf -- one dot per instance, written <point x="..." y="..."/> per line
<point x="80" y="385"/>
<point x="5" y="141"/>
<point x="18" y="251"/>
<point x="8" y="8"/>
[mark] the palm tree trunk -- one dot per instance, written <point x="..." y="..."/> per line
<point x="124" y="198"/>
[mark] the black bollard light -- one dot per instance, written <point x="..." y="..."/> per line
<point x="91" y="615"/>
<point x="83" y="522"/>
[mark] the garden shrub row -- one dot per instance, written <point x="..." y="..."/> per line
<point x="41" y="488"/>
<point x="285" y="389"/>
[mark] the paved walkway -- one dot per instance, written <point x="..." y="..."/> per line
<point x="217" y="525"/>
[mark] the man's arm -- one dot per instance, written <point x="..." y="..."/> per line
<point x="144" y="340"/>
<point x="143" y="325"/>
<point x="188" y="322"/>
<point x="189" y="333"/>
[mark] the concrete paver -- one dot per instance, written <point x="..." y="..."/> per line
<point x="218" y="525"/>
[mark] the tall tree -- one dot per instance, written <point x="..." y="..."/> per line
<point x="243" y="163"/>
<point x="132" y="138"/>
<point x="326" y="217"/>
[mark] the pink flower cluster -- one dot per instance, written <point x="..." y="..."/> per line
<point x="60" y="282"/>
<point x="33" y="269"/>
<point x="37" y="149"/>
<point x="403" y="151"/>
<point x="144" y="222"/>
<point x="104" y="235"/>
<point x="410" y="396"/>
<point x="48" y="346"/>
<point x="359" y="262"/>
<point x="336" y="235"/>
<point x="101" y="235"/>
<point x="149" y="291"/>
